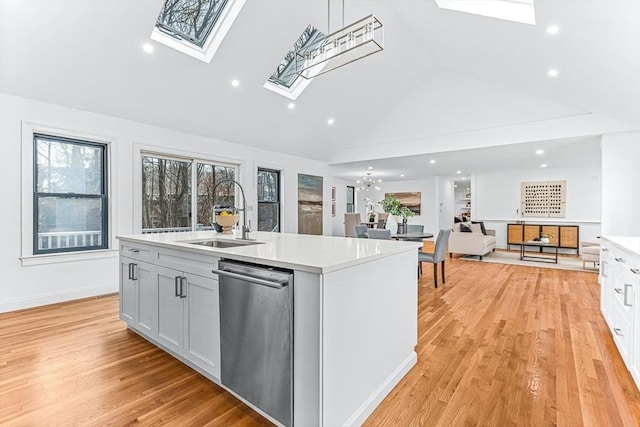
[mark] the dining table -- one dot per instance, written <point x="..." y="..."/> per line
<point x="412" y="236"/>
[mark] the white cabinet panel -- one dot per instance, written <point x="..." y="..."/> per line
<point x="128" y="292"/>
<point x="202" y="323"/>
<point x="620" y="293"/>
<point x="170" y="309"/>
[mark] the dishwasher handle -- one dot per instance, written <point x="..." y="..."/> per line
<point x="277" y="285"/>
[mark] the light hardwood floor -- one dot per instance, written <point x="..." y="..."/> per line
<point x="498" y="345"/>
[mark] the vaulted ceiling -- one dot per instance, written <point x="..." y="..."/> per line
<point x="445" y="81"/>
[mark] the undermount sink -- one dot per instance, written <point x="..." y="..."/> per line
<point x="222" y="243"/>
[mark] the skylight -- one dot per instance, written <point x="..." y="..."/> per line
<point x="510" y="10"/>
<point x="196" y="27"/>
<point x="286" y="79"/>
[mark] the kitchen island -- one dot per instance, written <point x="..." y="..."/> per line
<point x="354" y="312"/>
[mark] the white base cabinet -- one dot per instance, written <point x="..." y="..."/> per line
<point x="620" y="300"/>
<point x="173" y="307"/>
<point x="187" y="323"/>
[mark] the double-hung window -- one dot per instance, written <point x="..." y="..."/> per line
<point x="268" y="200"/>
<point x="70" y="211"/>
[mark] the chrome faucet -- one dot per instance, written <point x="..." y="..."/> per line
<point x="246" y="229"/>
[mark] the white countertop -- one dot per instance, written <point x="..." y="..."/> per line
<point x="316" y="254"/>
<point x="630" y="243"/>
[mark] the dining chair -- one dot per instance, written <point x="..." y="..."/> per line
<point x="361" y="231"/>
<point x="351" y="219"/>
<point x="438" y="255"/>
<point x="415" y="228"/>
<point x="375" y="233"/>
<point x="381" y="224"/>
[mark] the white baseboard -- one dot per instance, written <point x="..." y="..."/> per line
<point x="372" y="402"/>
<point x="55" y="297"/>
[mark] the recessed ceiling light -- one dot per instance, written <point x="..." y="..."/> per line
<point x="458" y="172"/>
<point x="432" y="161"/>
<point x="147" y="47"/>
<point x="540" y="151"/>
<point x="291" y="105"/>
<point x="235" y="83"/>
<point x="468" y="189"/>
<point x="370" y="167"/>
<point x="553" y="29"/>
<point x="463" y="178"/>
<point x="544" y="165"/>
<point x="401" y="175"/>
<point x="379" y="180"/>
<point x="455" y="186"/>
<point x="552" y="72"/>
<point x="330" y="121"/>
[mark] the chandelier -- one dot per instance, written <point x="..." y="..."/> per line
<point x="367" y="182"/>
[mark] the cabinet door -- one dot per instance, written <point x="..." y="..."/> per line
<point x="514" y="234"/>
<point x="170" y="309"/>
<point x="552" y="230"/>
<point x="607" y="279"/>
<point x="635" y="353"/>
<point x="531" y="232"/>
<point x="569" y="236"/>
<point x="128" y="293"/>
<point x="202" y="323"/>
<point x="145" y="276"/>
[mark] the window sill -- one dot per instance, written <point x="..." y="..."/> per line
<point x="31" y="260"/>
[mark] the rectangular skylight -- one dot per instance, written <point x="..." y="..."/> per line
<point x="510" y="10"/>
<point x="286" y="80"/>
<point x="196" y="27"/>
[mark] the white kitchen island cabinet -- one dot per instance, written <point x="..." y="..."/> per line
<point x="620" y="296"/>
<point x="354" y="312"/>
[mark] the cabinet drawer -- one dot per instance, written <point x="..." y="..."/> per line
<point x="136" y="251"/>
<point x="188" y="262"/>
<point x="622" y="299"/>
<point x="622" y="335"/>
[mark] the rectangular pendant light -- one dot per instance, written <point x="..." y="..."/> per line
<point x="355" y="41"/>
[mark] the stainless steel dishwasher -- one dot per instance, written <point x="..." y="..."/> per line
<point x="256" y="335"/>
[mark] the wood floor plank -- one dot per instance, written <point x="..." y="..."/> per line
<point x="498" y="345"/>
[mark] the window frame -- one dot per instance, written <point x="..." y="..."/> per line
<point x="144" y="150"/>
<point x="27" y="257"/>
<point x="103" y="196"/>
<point x="279" y="194"/>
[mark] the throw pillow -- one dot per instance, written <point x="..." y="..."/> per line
<point x="484" y="230"/>
<point x="475" y="228"/>
<point x="465" y="228"/>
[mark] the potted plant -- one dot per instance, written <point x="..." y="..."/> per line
<point x="392" y="206"/>
<point x="371" y="209"/>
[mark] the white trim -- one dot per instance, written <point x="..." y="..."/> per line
<point x="26" y="178"/>
<point x="283" y="170"/>
<point x="140" y="148"/>
<point x="62" y="257"/>
<point x="213" y="41"/>
<point x="56" y="297"/>
<point x="372" y="402"/>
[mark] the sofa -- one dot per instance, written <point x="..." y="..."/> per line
<point x="471" y="243"/>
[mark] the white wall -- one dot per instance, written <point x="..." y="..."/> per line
<point x="429" y="204"/>
<point x="49" y="280"/>
<point x="620" y="182"/>
<point x="496" y="197"/>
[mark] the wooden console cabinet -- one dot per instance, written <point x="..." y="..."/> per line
<point x="565" y="236"/>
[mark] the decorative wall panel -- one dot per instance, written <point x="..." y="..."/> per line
<point x="543" y="199"/>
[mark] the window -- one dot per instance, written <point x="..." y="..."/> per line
<point x="168" y="204"/>
<point x="351" y="203"/>
<point x="268" y="200"/>
<point x="69" y="195"/>
<point x="195" y="27"/>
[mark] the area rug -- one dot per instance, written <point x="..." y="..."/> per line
<point x="513" y="257"/>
